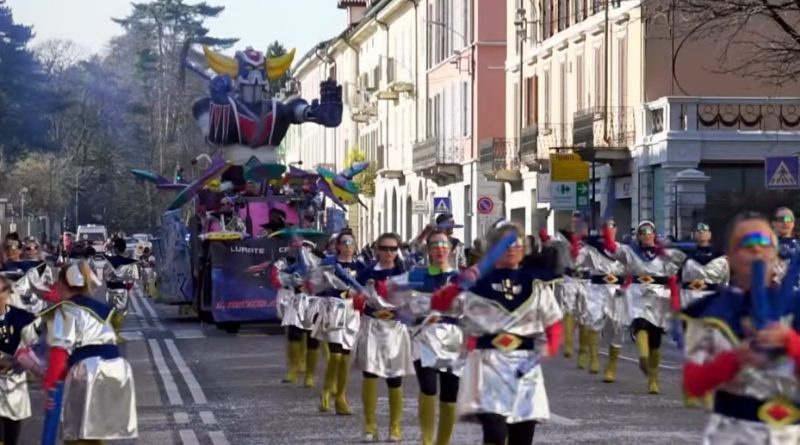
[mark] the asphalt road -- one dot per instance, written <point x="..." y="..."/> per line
<point x="198" y="385"/>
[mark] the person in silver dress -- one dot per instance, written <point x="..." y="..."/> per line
<point x="99" y="401"/>
<point x="514" y="315"/>
<point x="383" y="344"/>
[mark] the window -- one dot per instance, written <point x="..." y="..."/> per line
<point x="562" y="99"/>
<point x="546" y="101"/>
<point x="563" y="14"/>
<point x="465" y="106"/>
<point x="599" y="77"/>
<point x="517" y="100"/>
<point x="622" y="88"/>
<point x="579" y="82"/>
<point x="597" y="6"/>
<point x="440" y="34"/>
<point x="579" y="9"/>
<point x="531" y="105"/>
<point x="533" y="30"/>
<point x="429" y="114"/>
<point x="429" y="43"/>
<point x="546" y="18"/>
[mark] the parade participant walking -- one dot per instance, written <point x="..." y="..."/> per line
<point x="738" y="347"/>
<point x="17" y="335"/>
<point x="783" y="223"/>
<point x="446" y="222"/>
<point x="99" y="399"/>
<point x="383" y="344"/>
<point x="653" y="270"/>
<point x="513" y="313"/>
<point x="120" y="273"/>
<point x="338" y="327"/>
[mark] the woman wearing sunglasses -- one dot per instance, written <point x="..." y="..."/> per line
<point x="516" y="319"/>
<point x="748" y="362"/>
<point x="783" y="223"/>
<point x="383" y="345"/>
<point x="652" y="271"/>
<point x="17" y="335"/>
<point x="28" y="271"/>
<point x="338" y="326"/>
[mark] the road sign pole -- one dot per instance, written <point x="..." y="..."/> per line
<point x="594" y="193"/>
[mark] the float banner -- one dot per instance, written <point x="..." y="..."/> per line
<point x="173" y="260"/>
<point x="237" y="295"/>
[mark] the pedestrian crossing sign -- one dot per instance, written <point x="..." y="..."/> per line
<point x="442" y="205"/>
<point x="781" y="173"/>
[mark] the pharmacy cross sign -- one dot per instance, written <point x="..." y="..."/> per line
<point x="781" y="173"/>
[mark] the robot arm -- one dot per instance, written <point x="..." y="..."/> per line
<point x="326" y="111"/>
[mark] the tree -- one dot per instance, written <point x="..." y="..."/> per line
<point x="366" y="179"/>
<point x="759" y="38"/>
<point x="276" y="49"/>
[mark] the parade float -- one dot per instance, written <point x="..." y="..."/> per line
<point x="205" y="261"/>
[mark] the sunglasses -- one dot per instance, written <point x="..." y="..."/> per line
<point x="347" y="242"/>
<point x="388" y="248"/>
<point x="435" y="244"/>
<point x="518" y="243"/>
<point x="754" y="239"/>
<point x="647" y="230"/>
<point x="784" y="218"/>
<point x="31" y="249"/>
<point x="12" y="246"/>
<point x="702" y="228"/>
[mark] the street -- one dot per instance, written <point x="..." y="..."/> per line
<point x="198" y="385"/>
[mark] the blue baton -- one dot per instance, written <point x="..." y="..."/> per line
<point x="52" y="416"/>
<point x="486" y="263"/>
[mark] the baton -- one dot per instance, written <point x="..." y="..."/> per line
<point x="52" y="416"/>
<point x="486" y="263"/>
<point x="348" y="279"/>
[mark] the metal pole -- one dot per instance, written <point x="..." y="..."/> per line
<point x="76" y="202"/>
<point x="594" y="193"/>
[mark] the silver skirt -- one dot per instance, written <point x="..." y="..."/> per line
<point x="118" y="299"/>
<point x="295" y="310"/>
<point x="383" y="348"/>
<point x="569" y="292"/>
<point x="440" y="346"/>
<point x="592" y="308"/>
<point x="722" y="430"/>
<point x="490" y="385"/>
<point x="99" y="401"/>
<point x="15" y="401"/>
<point x="338" y="322"/>
<point x="650" y="302"/>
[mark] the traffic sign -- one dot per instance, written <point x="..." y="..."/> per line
<point x="568" y="167"/>
<point x="568" y="195"/>
<point x="442" y="205"/>
<point x="419" y="207"/>
<point x="485" y="205"/>
<point x="781" y="173"/>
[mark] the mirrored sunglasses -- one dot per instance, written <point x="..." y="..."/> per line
<point x="388" y="248"/>
<point x="755" y="239"/>
<point x="347" y="242"/>
<point x="784" y="218"/>
<point x="434" y="244"/>
<point x="647" y="230"/>
<point x="702" y="228"/>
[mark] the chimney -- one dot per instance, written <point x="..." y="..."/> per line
<point x="355" y="10"/>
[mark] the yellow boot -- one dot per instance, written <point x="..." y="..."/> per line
<point x="583" y="347"/>
<point x="447" y="421"/>
<point x="593" y="338"/>
<point x="569" y="335"/>
<point x="117" y="319"/>
<point x="330" y="381"/>
<point x="610" y="375"/>
<point x="396" y="414"/>
<point x="643" y="345"/>
<point x="369" y="398"/>
<point x="427" y="418"/>
<point x="691" y="402"/>
<point x="311" y="366"/>
<point x="342" y="377"/>
<point x="652" y="376"/>
<point x="295" y="351"/>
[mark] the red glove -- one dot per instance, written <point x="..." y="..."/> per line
<point x="359" y="302"/>
<point x="56" y="368"/>
<point x="793" y="347"/>
<point x="382" y="288"/>
<point x="275" y="277"/>
<point x="574" y="245"/>
<point x="52" y="295"/>
<point x="698" y="380"/>
<point x="543" y="236"/>
<point x="472" y="343"/>
<point x="608" y="241"/>
<point x="674" y="292"/>
<point x="444" y="297"/>
<point x="628" y="281"/>
<point x="555" y="332"/>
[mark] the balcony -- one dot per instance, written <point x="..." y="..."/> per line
<point x="499" y="160"/>
<point x="604" y="134"/>
<point x="529" y="149"/>
<point x="438" y="160"/>
<point x="386" y="169"/>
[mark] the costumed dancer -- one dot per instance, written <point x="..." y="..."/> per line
<point x="742" y="343"/>
<point x="383" y="344"/>
<point x="31" y="276"/>
<point x="99" y="398"/>
<point x="338" y="326"/>
<point x="514" y="315"/>
<point x="458" y="258"/>
<point x="654" y="285"/>
<point x="120" y="273"/>
<point x="783" y="223"/>
<point x="17" y="336"/>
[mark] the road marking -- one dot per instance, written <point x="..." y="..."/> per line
<point x="188" y="334"/>
<point x="153" y="314"/>
<point x="137" y="309"/>
<point x="188" y="437"/>
<point x="194" y="387"/>
<point x="636" y="360"/>
<point x="208" y="418"/>
<point x="218" y="438"/>
<point x="173" y="394"/>
<point x="181" y="418"/>
<point x="560" y="420"/>
<point x="133" y="335"/>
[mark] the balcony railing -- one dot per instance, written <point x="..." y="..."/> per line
<point x="605" y="128"/>
<point x="721" y="114"/>
<point x="529" y="145"/>
<point x="439" y="160"/>
<point x="500" y="159"/>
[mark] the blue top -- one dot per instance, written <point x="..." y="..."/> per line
<point x="11" y="328"/>
<point x="370" y="273"/>
<point x="787" y="247"/>
<point x="511" y="287"/>
<point x="354" y="268"/>
<point x="429" y="279"/>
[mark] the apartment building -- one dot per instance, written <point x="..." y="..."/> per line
<point x="671" y="135"/>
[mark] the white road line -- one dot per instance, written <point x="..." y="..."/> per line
<point x="559" y="420"/>
<point x="188" y="334"/>
<point x="194" y="387"/>
<point x="173" y="394"/>
<point x="218" y="438"/>
<point x="635" y="360"/>
<point x="208" y="418"/>
<point x="137" y="309"/>
<point x="181" y="418"/>
<point x="153" y="314"/>
<point x="188" y="437"/>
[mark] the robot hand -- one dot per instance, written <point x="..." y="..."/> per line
<point x="327" y="110"/>
<point x="220" y="88"/>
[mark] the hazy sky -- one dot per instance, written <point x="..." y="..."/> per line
<point x="298" y="24"/>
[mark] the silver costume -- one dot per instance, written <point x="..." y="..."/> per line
<point x="505" y="380"/>
<point x="30" y="287"/>
<point x="126" y="273"/>
<point x="338" y="322"/>
<point x="699" y="280"/>
<point x="604" y="304"/>
<point x="383" y="345"/>
<point x="99" y="397"/>
<point x="571" y="291"/>
<point x="15" y="401"/>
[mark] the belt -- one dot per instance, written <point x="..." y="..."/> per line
<point x="107" y="352"/>
<point x="380" y="314"/>
<point x="579" y="274"/>
<point x="774" y="412"/>
<point x="650" y="279"/>
<point x="607" y="279"/>
<point x="505" y="342"/>
<point x="441" y="319"/>
<point x="699" y="285"/>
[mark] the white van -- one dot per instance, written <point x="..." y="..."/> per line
<point x="95" y="234"/>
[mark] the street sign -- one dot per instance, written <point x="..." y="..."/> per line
<point x="781" y="173"/>
<point x="485" y="205"/>
<point x="568" y="195"/>
<point x="543" y="188"/>
<point x="442" y="205"/>
<point x="568" y="167"/>
<point x="419" y="207"/>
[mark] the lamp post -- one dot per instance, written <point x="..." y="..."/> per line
<point x="22" y="193"/>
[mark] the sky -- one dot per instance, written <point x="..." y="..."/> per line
<point x="297" y="24"/>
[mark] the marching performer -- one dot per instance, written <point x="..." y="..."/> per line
<point x="783" y="224"/>
<point x="17" y="335"/>
<point x="99" y="398"/>
<point x="649" y="297"/>
<point x="738" y="347"/>
<point x="514" y="314"/>
<point x="120" y="273"/>
<point x="447" y="223"/>
<point x="383" y="344"/>
<point x="338" y="327"/>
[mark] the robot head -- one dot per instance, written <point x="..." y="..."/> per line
<point x="251" y="70"/>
